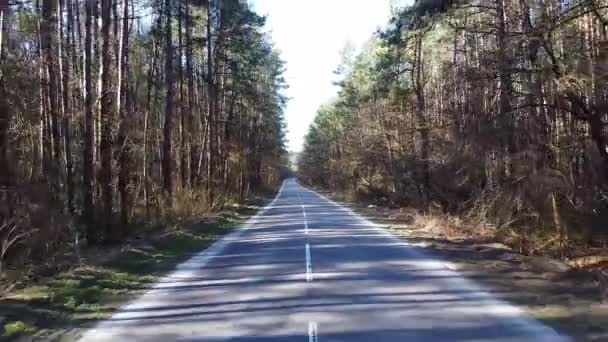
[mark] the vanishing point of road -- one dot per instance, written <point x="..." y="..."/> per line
<point x="307" y="269"/>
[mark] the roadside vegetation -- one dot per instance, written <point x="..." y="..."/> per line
<point x="60" y="306"/>
<point x="487" y="116"/>
<point x="118" y="120"/>
<point x="548" y="289"/>
<point x="478" y="131"/>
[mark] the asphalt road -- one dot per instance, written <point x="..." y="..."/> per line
<point x="308" y="269"/>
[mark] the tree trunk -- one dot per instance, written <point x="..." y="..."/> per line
<point x="47" y="30"/>
<point x="66" y="95"/>
<point x="122" y="110"/>
<point x="150" y="85"/>
<point x="5" y="115"/>
<point x="105" y="146"/>
<point x="422" y="120"/>
<point x="87" y="157"/>
<point x="182" y="124"/>
<point x="167" y="128"/>
<point x="191" y="108"/>
<point x="211" y="99"/>
<point x="505" y="88"/>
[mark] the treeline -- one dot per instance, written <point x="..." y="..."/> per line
<point x="115" y="113"/>
<point x="494" y="110"/>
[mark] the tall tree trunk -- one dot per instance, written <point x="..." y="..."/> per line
<point x="211" y="100"/>
<point x="47" y="30"/>
<point x="105" y="146"/>
<point x="97" y="54"/>
<point x="167" y="128"/>
<point x="122" y="106"/>
<point x="150" y="86"/>
<point x="422" y="119"/>
<point x="189" y="72"/>
<point x="5" y="115"/>
<point x="87" y="157"/>
<point x="505" y="88"/>
<point x="42" y="137"/>
<point x="66" y="95"/>
<point x="182" y="124"/>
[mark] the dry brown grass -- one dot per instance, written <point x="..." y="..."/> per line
<point x="563" y="297"/>
<point x="452" y="227"/>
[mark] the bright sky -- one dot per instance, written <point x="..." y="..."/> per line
<point x="310" y="35"/>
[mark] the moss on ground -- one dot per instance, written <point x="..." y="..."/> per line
<point x="16" y="328"/>
<point x="78" y="297"/>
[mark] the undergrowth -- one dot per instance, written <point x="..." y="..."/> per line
<point x="73" y="299"/>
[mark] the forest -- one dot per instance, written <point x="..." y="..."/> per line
<point x="492" y="111"/>
<point x="120" y="113"/>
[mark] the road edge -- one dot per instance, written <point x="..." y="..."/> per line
<point x="523" y="319"/>
<point x="181" y="271"/>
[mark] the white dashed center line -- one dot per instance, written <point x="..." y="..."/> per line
<point x="305" y="220"/>
<point x="312" y="326"/>
<point x="312" y="332"/>
<point x="303" y="214"/>
<point x="309" y="276"/>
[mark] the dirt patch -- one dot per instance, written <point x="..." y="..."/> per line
<point x="551" y="291"/>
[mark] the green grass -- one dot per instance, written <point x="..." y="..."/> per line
<point x="16" y="328"/>
<point x="72" y="299"/>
